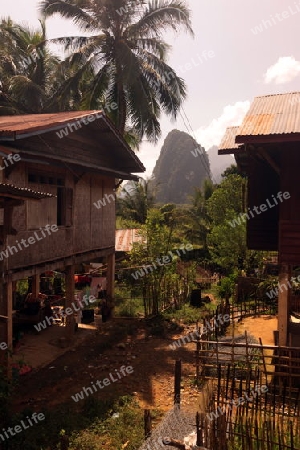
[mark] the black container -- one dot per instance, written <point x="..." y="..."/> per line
<point x="87" y="316"/>
<point x="196" y="298"/>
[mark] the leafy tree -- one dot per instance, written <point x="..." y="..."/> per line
<point x="154" y="265"/>
<point x="134" y="201"/>
<point x="127" y="57"/>
<point x="227" y="243"/>
<point x="197" y="223"/>
<point x="227" y="200"/>
<point x="231" y="170"/>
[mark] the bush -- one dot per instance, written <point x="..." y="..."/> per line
<point x="226" y="287"/>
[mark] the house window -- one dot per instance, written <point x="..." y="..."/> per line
<point x="64" y="206"/>
<point x="57" y="210"/>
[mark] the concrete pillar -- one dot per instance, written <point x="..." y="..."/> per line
<point x="284" y="292"/>
<point x="70" y="291"/>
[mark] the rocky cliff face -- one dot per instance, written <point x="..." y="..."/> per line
<point x="179" y="169"/>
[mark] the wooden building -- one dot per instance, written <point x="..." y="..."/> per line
<point x="266" y="148"/>
<point x="77" y="158"/>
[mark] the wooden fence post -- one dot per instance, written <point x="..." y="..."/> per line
<point x="177" y="383"/>
<point x="198" y="430"/>
<point x="64" y="442"/>
<point x="197" y="359"/>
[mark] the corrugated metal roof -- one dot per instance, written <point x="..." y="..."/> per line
<point x="228" y="143"/>
<point x="22" y="124"/>
<point x="272" y="115"/>
<point x="125" y="239"/>
<point x="22" y="192"/>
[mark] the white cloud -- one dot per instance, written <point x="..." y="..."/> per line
<point x="283" y="71"/>
<point x="232" y="115"/>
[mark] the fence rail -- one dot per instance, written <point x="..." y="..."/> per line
<point x="238" y="413"/>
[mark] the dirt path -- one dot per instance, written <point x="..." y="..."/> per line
<point x="152" y="380"/>
<point x="151" y="357"/>
<point x="261" y="327"/>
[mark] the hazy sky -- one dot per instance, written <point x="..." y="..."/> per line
<point x="241" y="49"/>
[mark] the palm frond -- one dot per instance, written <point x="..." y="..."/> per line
<point x="160" y="15"/>
<point x="79" y="12"/>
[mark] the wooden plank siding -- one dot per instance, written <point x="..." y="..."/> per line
<point x="289" y="223"/>
<point x="289" y="242"/>
<point x="81" y="148"/>
<point x="262" y="229"/>
<point x="86" y="227"/>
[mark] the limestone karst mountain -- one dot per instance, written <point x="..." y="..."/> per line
<point x="182" y="166"/>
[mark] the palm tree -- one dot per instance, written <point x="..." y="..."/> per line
<point x="127" y="57"/>
<point x="198" y="221"/>
<point x="134" y="201"/>
<point x="30" y="75"/>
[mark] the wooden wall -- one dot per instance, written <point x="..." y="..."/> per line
<point x="289" y="224"/>
<point x="262" y="229"/>
<point x="278" y="228"/>
<point x="92" y="228"/>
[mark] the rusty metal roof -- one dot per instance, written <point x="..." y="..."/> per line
<point x="11" y="190"/>
<point x="228" y="144"/>
<point x="16" y="128"/>
<point x="126" y="238"/>
<point x="271" y="116"/>
<point x="30" y="123"/>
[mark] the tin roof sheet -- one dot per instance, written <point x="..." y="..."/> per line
<point x="7" y="189"/>
<point x="272" y="115"/>
<point x="126" y="238"/>
<point x="228" y="143"/>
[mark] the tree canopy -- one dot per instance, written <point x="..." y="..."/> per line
<point x="125" y="57"/>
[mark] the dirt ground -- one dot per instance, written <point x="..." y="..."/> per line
<point x="260" y="327"/>
<point x="58" y="374"/>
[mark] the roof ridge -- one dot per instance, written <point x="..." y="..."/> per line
<point x="278" y="94"/>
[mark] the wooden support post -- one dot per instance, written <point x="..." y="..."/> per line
<point x="177" y="383"/>
<point x="70" y="288"/>
<point x="5" y="295"/>
<point x="35" y="285"/>
<point x="147" y="423"/>
<point x="284" y="285"/>
<point x="110" y="276"/>
<point x="110" y="281"/>
<point x="9" y="308"/>
<point x="6" y="324"/>
<point x="3" y="325"/>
